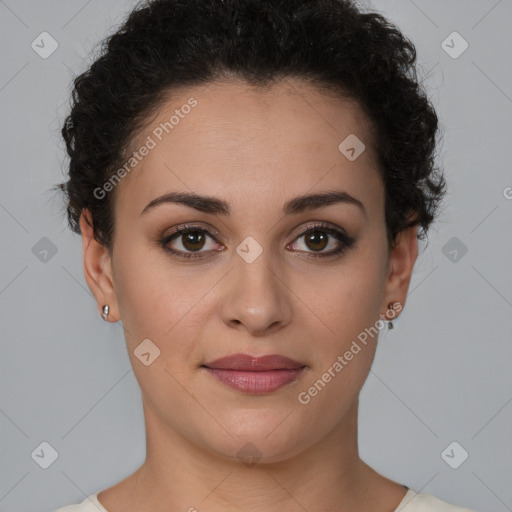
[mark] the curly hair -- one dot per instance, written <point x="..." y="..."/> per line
<point x="164" y="45"/>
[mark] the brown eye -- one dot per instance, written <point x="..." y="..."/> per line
<point x="316" y="240"/>
<point x="320" y="237"/>
<point x="187" y="240"/>
<point x="193" y="240"/>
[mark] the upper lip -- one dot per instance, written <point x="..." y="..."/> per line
<point x="253" y="363"/>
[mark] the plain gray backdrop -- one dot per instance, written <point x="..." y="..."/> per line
<point x="441" y="377"/>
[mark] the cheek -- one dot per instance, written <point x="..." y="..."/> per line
<point x="346" y="300"/>
<point x="346" y="306"/>
<point x="152" y="294"/>
<point x="160" y="302"/>
<point x="346" y="349"/>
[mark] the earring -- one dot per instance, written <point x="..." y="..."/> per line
<point x="391" y="307"/>
<point x="105" y="312"/>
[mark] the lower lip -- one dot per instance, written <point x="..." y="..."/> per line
<point x="255" y="382"/>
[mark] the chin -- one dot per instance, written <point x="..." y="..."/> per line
<point x="256" y="440"/>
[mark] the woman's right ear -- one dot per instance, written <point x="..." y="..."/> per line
<point x="97" y="267"/>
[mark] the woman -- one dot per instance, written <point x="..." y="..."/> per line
<point x="250" y="179"/>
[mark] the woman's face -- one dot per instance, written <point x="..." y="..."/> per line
<point x="244" y="279"/>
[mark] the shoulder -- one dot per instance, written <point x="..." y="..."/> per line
<point x="90" y="504"/>
<point x="423" y="502"/>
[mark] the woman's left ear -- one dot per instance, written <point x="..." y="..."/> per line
<point x="401" y="264"/>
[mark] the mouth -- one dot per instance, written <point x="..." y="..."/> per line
<point x="255" y="375"/>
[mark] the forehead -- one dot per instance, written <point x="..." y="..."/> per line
<point x="241" y="143"/>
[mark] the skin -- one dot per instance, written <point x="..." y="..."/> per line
<point x="254" y="149"/>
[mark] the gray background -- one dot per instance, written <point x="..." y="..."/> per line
<point x="442" y="375"/>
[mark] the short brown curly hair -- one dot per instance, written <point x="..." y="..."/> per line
<point x="166" y="44"/>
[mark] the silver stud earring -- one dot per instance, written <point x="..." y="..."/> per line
<point x="105" y="312"/>
<point x="391" y="307"/>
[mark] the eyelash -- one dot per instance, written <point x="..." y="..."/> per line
<point x="346" y="240"/>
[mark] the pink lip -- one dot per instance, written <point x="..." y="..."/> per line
<point x="255" y="374"/>
<point x="254" y="364"/>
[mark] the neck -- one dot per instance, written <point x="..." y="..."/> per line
<point x="328" y="475"/>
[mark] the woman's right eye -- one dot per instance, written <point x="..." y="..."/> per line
<point x="190" y="239"/>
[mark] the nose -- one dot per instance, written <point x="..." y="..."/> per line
<point x="257" y="297"/>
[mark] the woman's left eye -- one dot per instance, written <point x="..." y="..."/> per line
<point x="320" y="237"/>
<point x="316" y="237"/>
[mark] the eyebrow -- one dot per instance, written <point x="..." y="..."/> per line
<point x="213" y="205"/>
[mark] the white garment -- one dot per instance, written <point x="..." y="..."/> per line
<point x="411" y="502"/>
